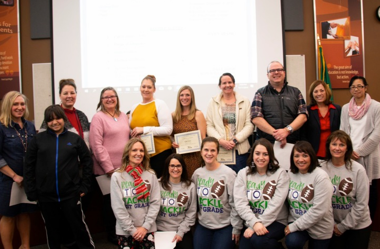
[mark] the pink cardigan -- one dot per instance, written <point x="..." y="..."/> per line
<point x="107" y="141"/>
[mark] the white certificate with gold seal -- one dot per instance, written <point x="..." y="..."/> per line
<point x="148" y="140"/>
<point x="188" y="142"/>
<point x="226" y="156"/>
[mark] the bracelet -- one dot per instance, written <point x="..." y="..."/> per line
<point x="14" y="176"/>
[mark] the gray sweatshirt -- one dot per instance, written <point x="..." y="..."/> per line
<point x="350" y="197"/>
<point x="310" y="206"/>
<point x="178" y="208"/>
<point x="130" y="212"/>
<point x="261" y="198"/>
<point x="216" y="208"/>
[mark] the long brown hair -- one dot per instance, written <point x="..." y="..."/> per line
<point x="344" y="138"/>
<point x="166" y="176"/>
<point x="177" y="115"/>
<point x="273" y="163"/>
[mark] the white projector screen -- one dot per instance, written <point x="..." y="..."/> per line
<point x="182" y="42"/>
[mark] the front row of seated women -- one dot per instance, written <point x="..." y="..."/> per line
<point x="326" y="206"/>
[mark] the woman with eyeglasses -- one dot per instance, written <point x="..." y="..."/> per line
<point x="178" y="202"/>
<point x="153" y="115"/>
<point x="324" y="117"/>
<point x="229" y="120"/>
<point x="108" y="136"/>
<point x="360" y="119"/>
<point x="352" y="228"/>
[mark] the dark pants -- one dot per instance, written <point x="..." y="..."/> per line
<point x="205" y="238"/>
<point x="355" y="239"/>
<point x="70" y="211"/>
<point x="241" y="162"/>
<point x="186" y="243"/>
<point x="109" y="217"/>
<point x="267" y="241"/>
<point x="157" y="161"/>
<point x="372" y="204"/>
<point x="297" y="240"/>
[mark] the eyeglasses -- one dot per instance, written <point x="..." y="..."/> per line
<point x="356" y="87"/>
<point x="175" y="166"/>
<point x="109" y="97"/>
<point x="276" y="70"/>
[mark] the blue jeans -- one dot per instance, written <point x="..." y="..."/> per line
<point x="241" y="162"/>
<point x="267" y="241"/>
<point x="298" y="239"/>
<point x="205" y="238"/>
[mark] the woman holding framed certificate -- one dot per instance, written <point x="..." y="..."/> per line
<point x="153" y="116"/>
<point x="187" y="117"/>
<point x="229" y="121"/>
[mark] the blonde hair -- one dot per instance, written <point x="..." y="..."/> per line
<point x="6" y="107"/>
<point x="177" y="115"/>
<point x="128" y="148"/>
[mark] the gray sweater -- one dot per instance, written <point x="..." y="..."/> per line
<point x="350" y="197"/>
<point x="131" y="213"/>
<point x="178" y="208"/>
<point x="310" y="207"/>
<point x="216" y="208"/>
<point x="251" y="197"/>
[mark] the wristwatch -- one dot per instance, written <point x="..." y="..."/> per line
<point x="235" y="141"/>
<point x="289" y="128"/>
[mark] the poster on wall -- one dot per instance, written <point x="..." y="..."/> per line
<point x="339" y="28"/>
<point x="10" y="79"/>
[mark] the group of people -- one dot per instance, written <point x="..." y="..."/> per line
<point x="254" y="203"/>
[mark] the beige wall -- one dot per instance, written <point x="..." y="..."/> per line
<point x="296" y="42"/>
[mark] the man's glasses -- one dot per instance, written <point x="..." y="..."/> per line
<point x="276" y="70"/>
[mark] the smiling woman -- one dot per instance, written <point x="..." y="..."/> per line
<point x="15" y="135"/>
<point x="77" y="121"/>
<point x="324" y="117"/>
<point x="187" y="117"/>
<point x="234" y="126"/>
<point x="153" y="115"/>
<point x="108" y="136"/>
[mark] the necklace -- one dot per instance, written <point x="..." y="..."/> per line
<point x="23" y="142"/>
<point x="113" y="116"/>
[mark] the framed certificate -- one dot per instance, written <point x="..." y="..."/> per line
<point x="226" y="156"/>
<point x="148" y="140"/>
<point x="188" y="141"/>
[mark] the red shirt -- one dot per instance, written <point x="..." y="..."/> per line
<point x="74" y="120"/>
<point x="325" y="129"/>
